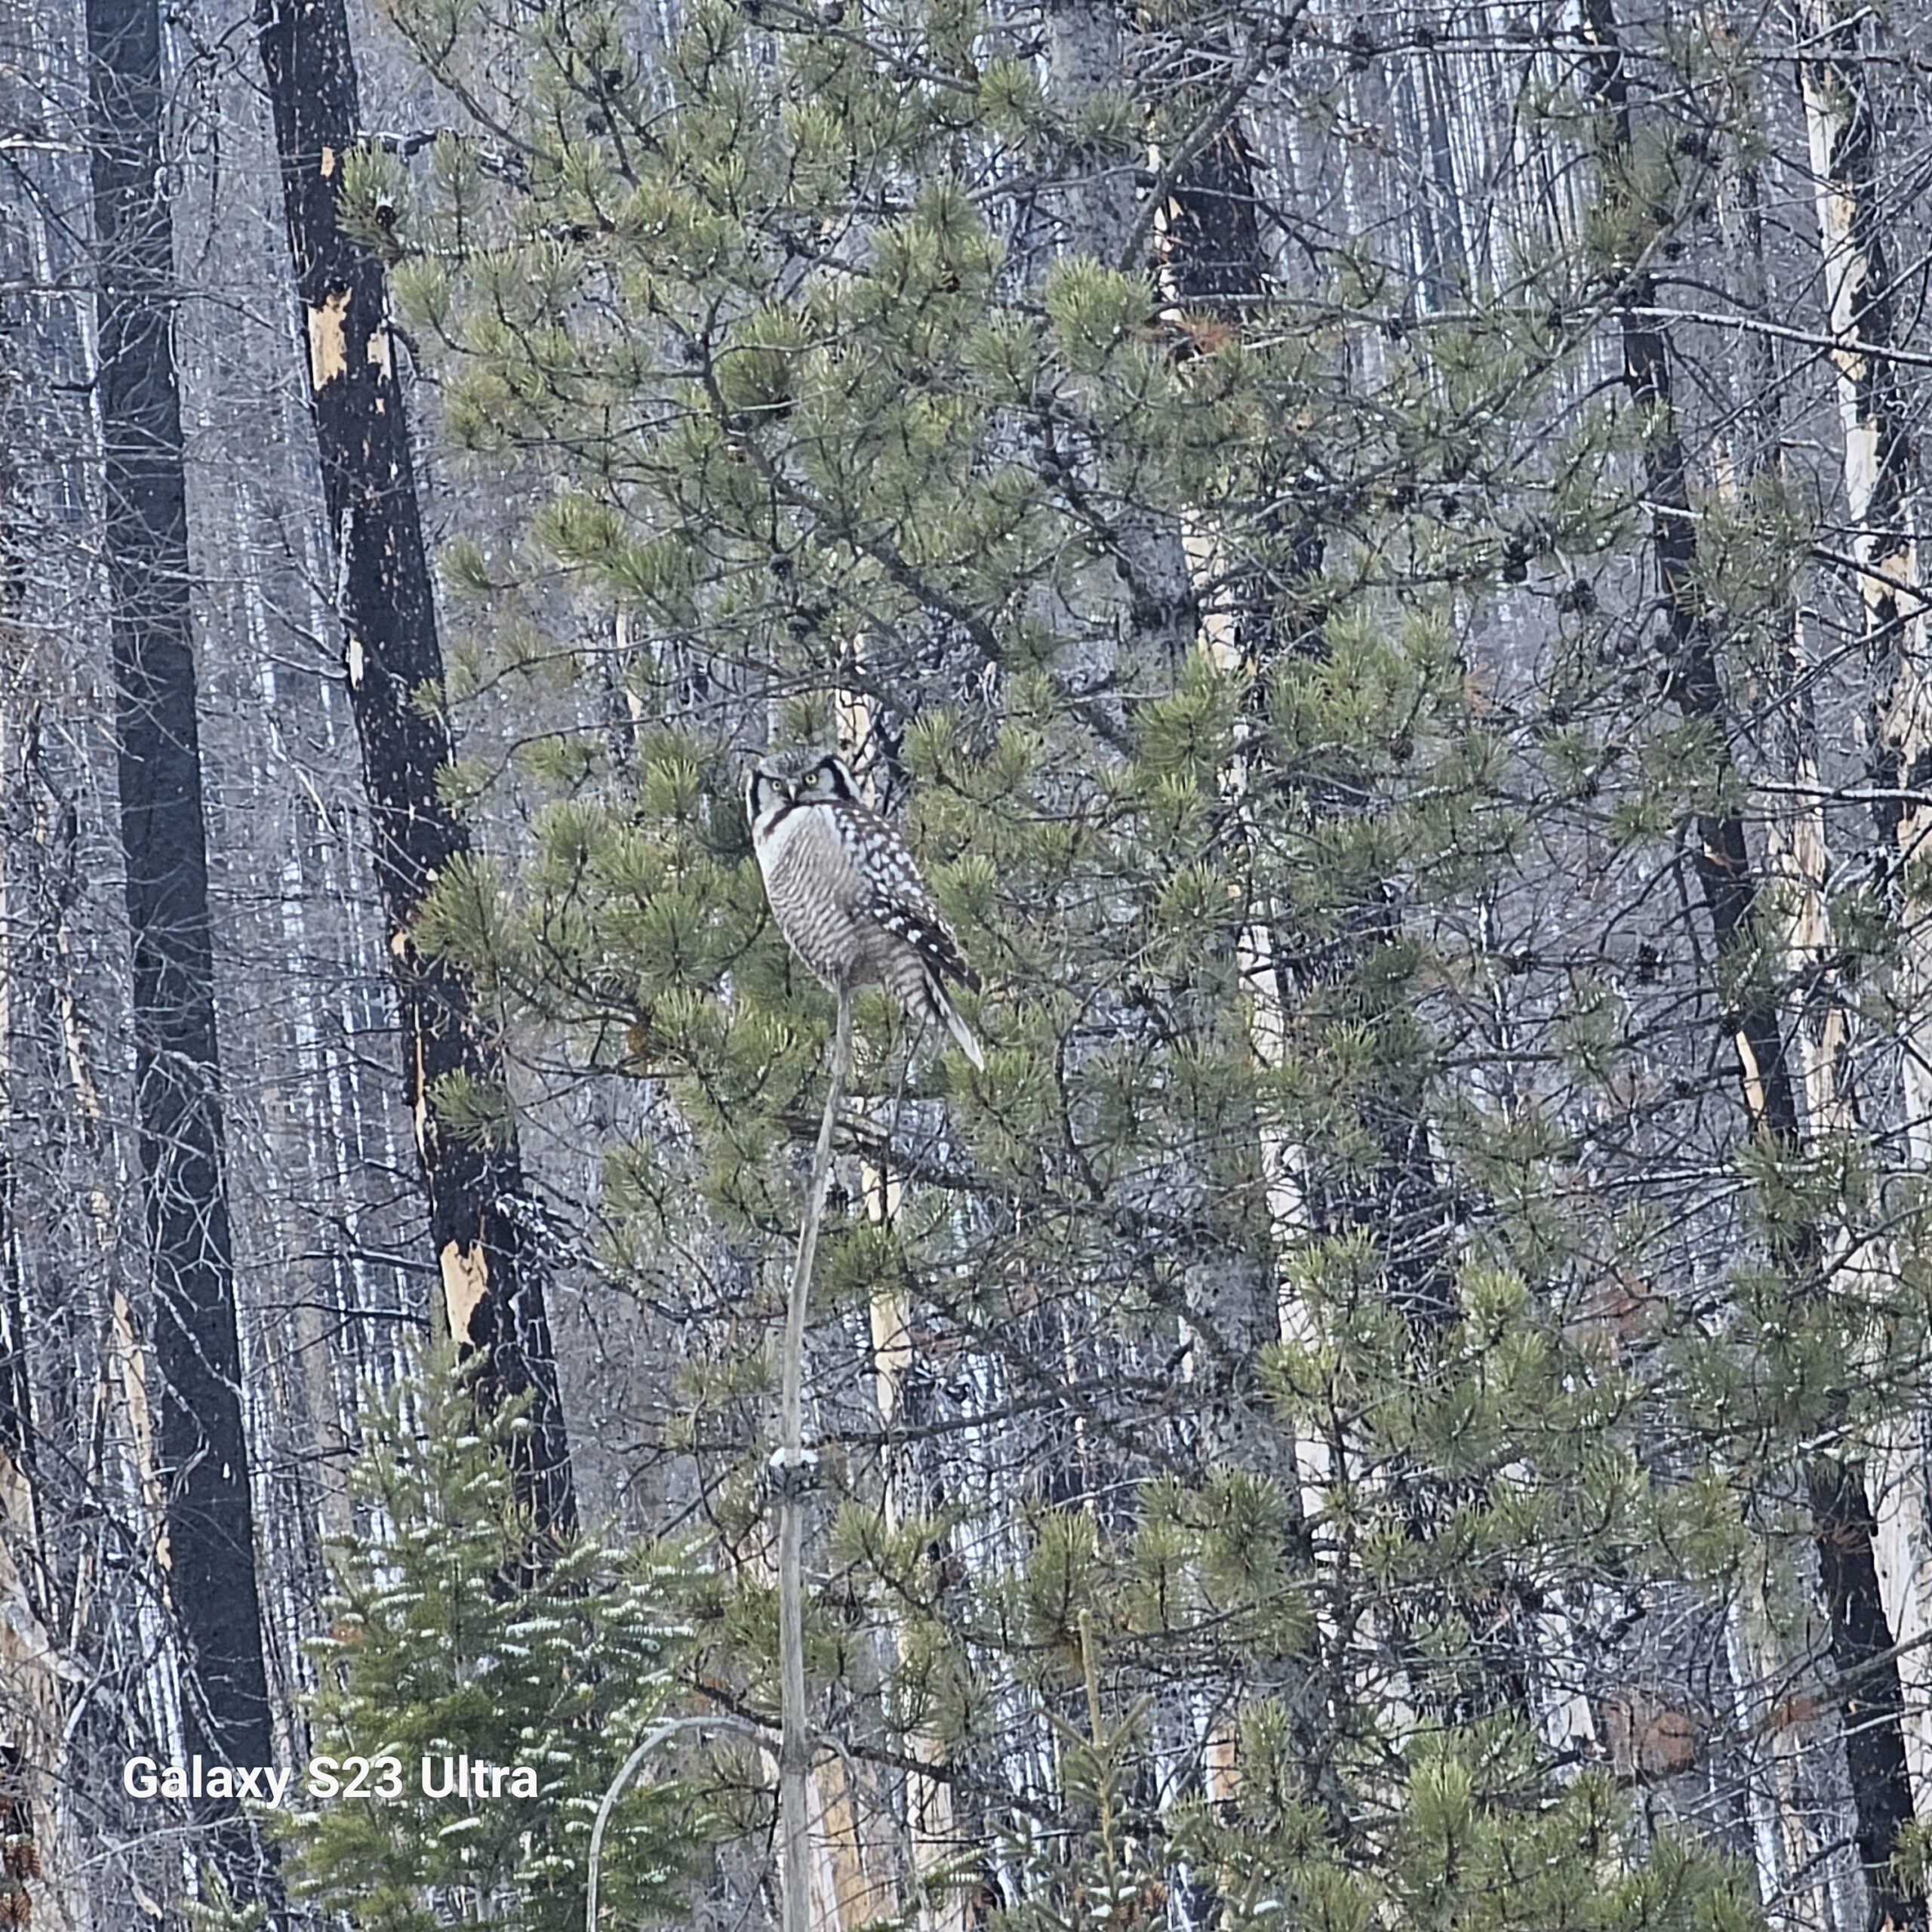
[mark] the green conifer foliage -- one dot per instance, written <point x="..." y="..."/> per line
<point x="430" y="1656"/>
<point x="1360" y="1460"/>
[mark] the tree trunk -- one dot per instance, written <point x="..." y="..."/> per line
<point x="1793" y="1778"/>
<point x="210" y="1554"/>
<point x="1870" y="1700"/>
<point x="1213" y="265"/>
<point x="32" y="1689"/>
<point x="1136" y="604"/>
<point x="1879" y="465"/>
<point x="481" y="1222"/>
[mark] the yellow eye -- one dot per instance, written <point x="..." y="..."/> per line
<point x="811" y="778"/>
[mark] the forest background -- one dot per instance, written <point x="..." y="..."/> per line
<point x="1373" y="553"/>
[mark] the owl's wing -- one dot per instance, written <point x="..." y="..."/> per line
<point x="895" y="897"/>
<point x="911" y="915"/>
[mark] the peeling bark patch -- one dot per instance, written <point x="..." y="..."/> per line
<point x="466" y="1273"/>
<point x="328" y="353"/>
<point x="351" y="651"/>
<point x="379" y="353"/>
<point x="328" y="162"/>
<point x="1754" y="1082"/>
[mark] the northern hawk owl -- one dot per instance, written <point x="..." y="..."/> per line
<point x="846" y="891"/>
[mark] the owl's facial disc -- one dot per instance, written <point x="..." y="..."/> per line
<point x="764" y="793"/>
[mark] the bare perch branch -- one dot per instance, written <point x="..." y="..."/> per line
<point x="790" y="1481"/>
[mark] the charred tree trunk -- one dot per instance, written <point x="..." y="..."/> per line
<point x="1870" y="1696"/>
<point x="1881" y="480"/>
<point x="1214" y="271"/>
<point x="480" y="1218"/>
<point x="1690" y="676"/>
<point x="210" y="1553"/>
<point x="1216" y="279"/>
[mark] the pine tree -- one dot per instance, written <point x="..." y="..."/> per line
<point x="833" y="400"/>
<point x="431" y="1658"/>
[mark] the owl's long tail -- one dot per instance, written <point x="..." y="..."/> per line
<point x="943" y="1009"/>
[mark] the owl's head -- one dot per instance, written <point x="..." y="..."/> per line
<point x="783" y="780"/>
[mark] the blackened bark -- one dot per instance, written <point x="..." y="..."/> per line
<point x="1212" y="257"/>
<point x="1871" y="1700"/>
<point x="480" y="1218"/>
<point x="210" y="1556"/>
<point x="1722" y="859"/>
